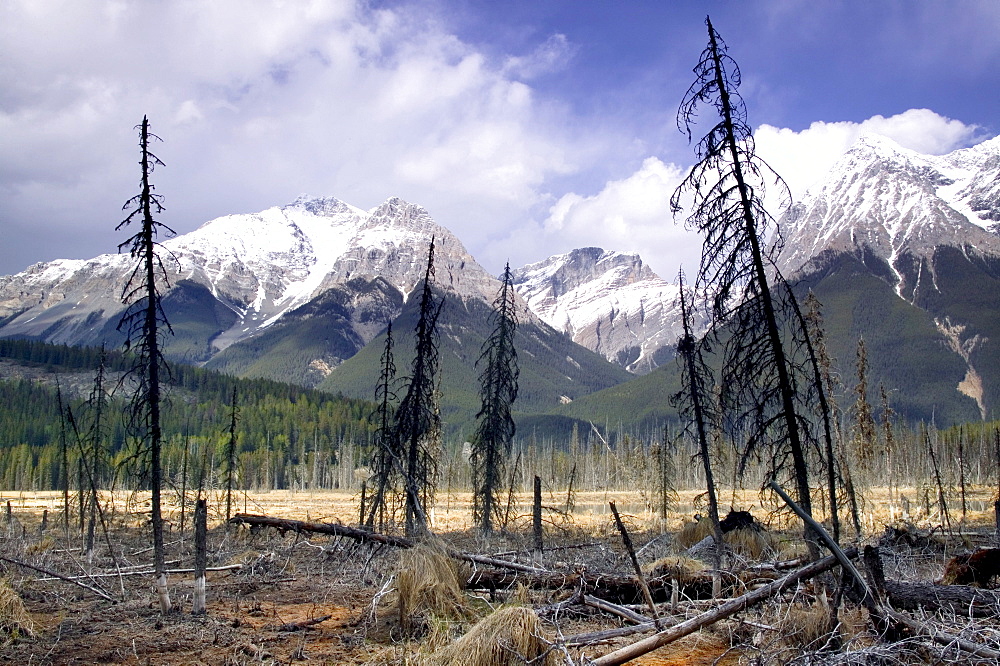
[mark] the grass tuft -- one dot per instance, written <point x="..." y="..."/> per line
<point x="511" y="636"/>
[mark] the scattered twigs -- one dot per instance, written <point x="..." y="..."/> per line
<point x="721" y="612"/>
<point x="53" y="574"/>
<point x="889" y="618"/>
<point x="304" y="624"/>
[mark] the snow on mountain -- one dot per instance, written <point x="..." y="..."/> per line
<point x="609" y="302"/>
<point x="897" y="203"/>
<point x="260" y="265"/>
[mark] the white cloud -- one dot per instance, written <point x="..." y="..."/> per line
<point x="550" y="56"/>
<point x="259" y="102"/>
<point x="628" y="215"/>
<point x="803" y="158"/>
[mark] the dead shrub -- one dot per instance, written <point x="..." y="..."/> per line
<point x="807" y="625"/>
<point x="428" y="582"/>
<point x="510" y="636"/>
<point x="750" y="542"/>
<point x="43" y="545"/>
<point x="15" y="621"/>
<point x="692" y="533"/>
<point x="685" y="570"/>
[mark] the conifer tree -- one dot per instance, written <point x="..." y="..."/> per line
<point x="417" y="419"/>
<point x="494" y="436"/>
<point x="765" y="381"/>
<point x="144" y="323"/>
<point x="385" y="457"/>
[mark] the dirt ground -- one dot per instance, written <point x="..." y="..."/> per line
<point x="342" y="586"/>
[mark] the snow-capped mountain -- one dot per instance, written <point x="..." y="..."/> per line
<point x="609" y="302"/>
<point x="261" y="266"/>
<point x="296" y="293"/>
<point x="899" y="205"/>
<point x="907" y="247"/>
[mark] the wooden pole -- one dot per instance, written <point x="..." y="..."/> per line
<point x="536" y="520"/>
<point x="200" y="551"/>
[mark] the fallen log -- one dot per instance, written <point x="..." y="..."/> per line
<point x="146" y="572"/>
<point x="614" y="587"/>
<point x="615" y="609"/>
<point x="721" y="612"/>
<point x="336" y="529"/>
<point x="594" y="637"/>
<point x="58" y="576"/>
<point x="961" y="599"/>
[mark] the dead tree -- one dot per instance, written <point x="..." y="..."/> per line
<point x="385" y="456"/>
<point x="144" y="323"/>
<point x="234" y="415"/>
<point x="696" y="408"/>
<point x="494" y="436"/>
<point x="417" y="419"/>
<point x="764" y="365"/>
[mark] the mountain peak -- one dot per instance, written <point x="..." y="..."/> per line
<point x="321" y="206"/>
<point x="607" y="301"/>
<point x="896" y="204"/>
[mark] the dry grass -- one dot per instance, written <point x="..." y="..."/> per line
<point x="15" y="621"/>
<point x="452" y="511"/>
<point x="685" y="570"/>
<point x="746" y="542"/>
<point x="805" y="625"/>
<point x="428" y="583"/>
<point x="510" y="636"/>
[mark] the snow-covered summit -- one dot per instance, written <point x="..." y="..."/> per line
<point x="260" y="265"/>
<point x="896" y="202"/>
<point x="609" y="302"/>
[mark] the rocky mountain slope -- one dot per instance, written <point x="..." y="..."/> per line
<point x="292" y="292"/>
<point x="904" y="248"/>
<point x="609" y="302"/>
<point x="256" y="268"/>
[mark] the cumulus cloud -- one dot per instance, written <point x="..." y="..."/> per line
<point x="630" y="215"/>
<point x="802" y="158"/>
<point x="258" y="103"/>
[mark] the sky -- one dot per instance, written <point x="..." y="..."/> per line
<point x="527" y="127"/>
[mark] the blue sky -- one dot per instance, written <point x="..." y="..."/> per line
<point x="527" y="128"/>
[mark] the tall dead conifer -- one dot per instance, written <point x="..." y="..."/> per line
<point x="417" y="419"/>
<point x="144" y="323"/>
<point x="696" y="410"/>
<point x="765" y="373"/>
<point x="494" y="436"/>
